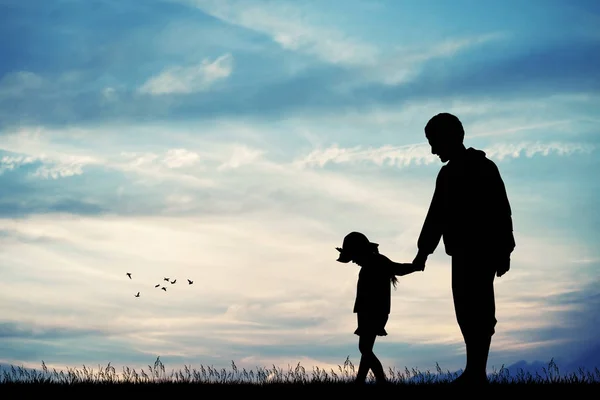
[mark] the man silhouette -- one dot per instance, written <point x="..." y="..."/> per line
<point x="471" y="212"/>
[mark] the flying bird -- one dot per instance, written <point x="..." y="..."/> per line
<point x="157" y="285"/>
<point x="164" y="288"/>
<point x="174" y="281"/>
<point x="128" y="274"/>
<point x="166" y="279"/>
<point x="190" y="282"/>
<point x="138" y="294"/>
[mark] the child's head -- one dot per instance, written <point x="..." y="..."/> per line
<point x="355" y="246"/>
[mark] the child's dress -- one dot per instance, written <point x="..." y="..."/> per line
<point x="373" y="297"/>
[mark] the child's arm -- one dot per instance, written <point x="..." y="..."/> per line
<point x="401" y="269"/>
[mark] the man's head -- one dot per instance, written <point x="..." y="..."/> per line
<point x="445" y="134"/>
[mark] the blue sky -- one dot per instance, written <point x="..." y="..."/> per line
<point x="235" y="144"/>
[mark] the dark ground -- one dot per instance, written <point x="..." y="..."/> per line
<point x="293" y="390"/>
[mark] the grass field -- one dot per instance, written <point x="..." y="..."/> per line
<point x="295" y="380"/>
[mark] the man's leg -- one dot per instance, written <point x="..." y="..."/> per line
<point x="483" y="332"/>
<point x="473" y="295"/>
<point x="459" y="299"/>
<point x="479" y="351"/>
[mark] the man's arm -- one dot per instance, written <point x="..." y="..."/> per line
<point x="501" y="216"/>
<point x="501" y="213"/>
<point x="431" y="232"/>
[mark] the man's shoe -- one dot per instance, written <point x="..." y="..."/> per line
<point x="471" y="380"/>
<point x="463" y="379"/>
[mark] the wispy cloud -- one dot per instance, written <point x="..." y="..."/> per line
<point x="64" y="169"/>
<point x="530" y="149"/>
<point x="31" y="145"/>
<point x="50" y="168"/>
<point x="289" y="26"/>
<point x="402" y="64"/>
<point x="172" y="158"/>
<point x="418" y="154"/>
<point x="294" y="29"/>
<point x="196" y="78"/>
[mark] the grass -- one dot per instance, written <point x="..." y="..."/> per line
<point x="295" y="378"/>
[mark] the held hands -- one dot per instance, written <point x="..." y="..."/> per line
<point x="419" y="262"/>
<point x="417" y="267"/>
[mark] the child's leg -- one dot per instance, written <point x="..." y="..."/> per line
<point x="365" y="345"/>
<point x="377" y="369"/>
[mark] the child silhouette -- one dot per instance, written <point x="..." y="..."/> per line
<point x="373" y="297"/>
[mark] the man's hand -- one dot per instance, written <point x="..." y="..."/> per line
<point x="419" y="262"/>
<point x="503" y="265"/>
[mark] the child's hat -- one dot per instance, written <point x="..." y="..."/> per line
<point x="354" y="242"/>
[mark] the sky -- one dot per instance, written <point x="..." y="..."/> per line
<point x="235" y="143"/>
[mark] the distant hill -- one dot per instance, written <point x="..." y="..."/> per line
<point x="588" y="361"/>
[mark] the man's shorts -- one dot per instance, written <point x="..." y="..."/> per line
<point x="473" y="295"/>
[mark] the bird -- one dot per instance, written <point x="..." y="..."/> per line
<point x="164" y="288"/>
<point x="190" y="282"/>
<point x="157" y="285"/>
<point x="175" y="280"/>
<point x="166" y="279"/>
<point x="138" y="294"/>
<point x="128" y="274"/>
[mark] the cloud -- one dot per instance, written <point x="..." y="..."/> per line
<point x="9" y="330"/>
<point x="172" y="158"/>
<point x="400" y="156"/>
<point x="571" y="329"/>
<point x="177" y="158"/>
<point x="237" y="167"/>
<point x="17" y="84"/>
<point x="404" y="64"/>
<point x="292" y="28"/>
<point x="74" y="167"/>
<point x="184" y="80"/>
<point x="330" y="89"/>
<point x="241" y="155"/>
<point x="50" y="168"/>
<point x="8" y="163"/>
<point x="529" y="149"/>
<point x="54" y="147"/>
<point x="546" y="69"/>
<point x="289" y="26"/>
